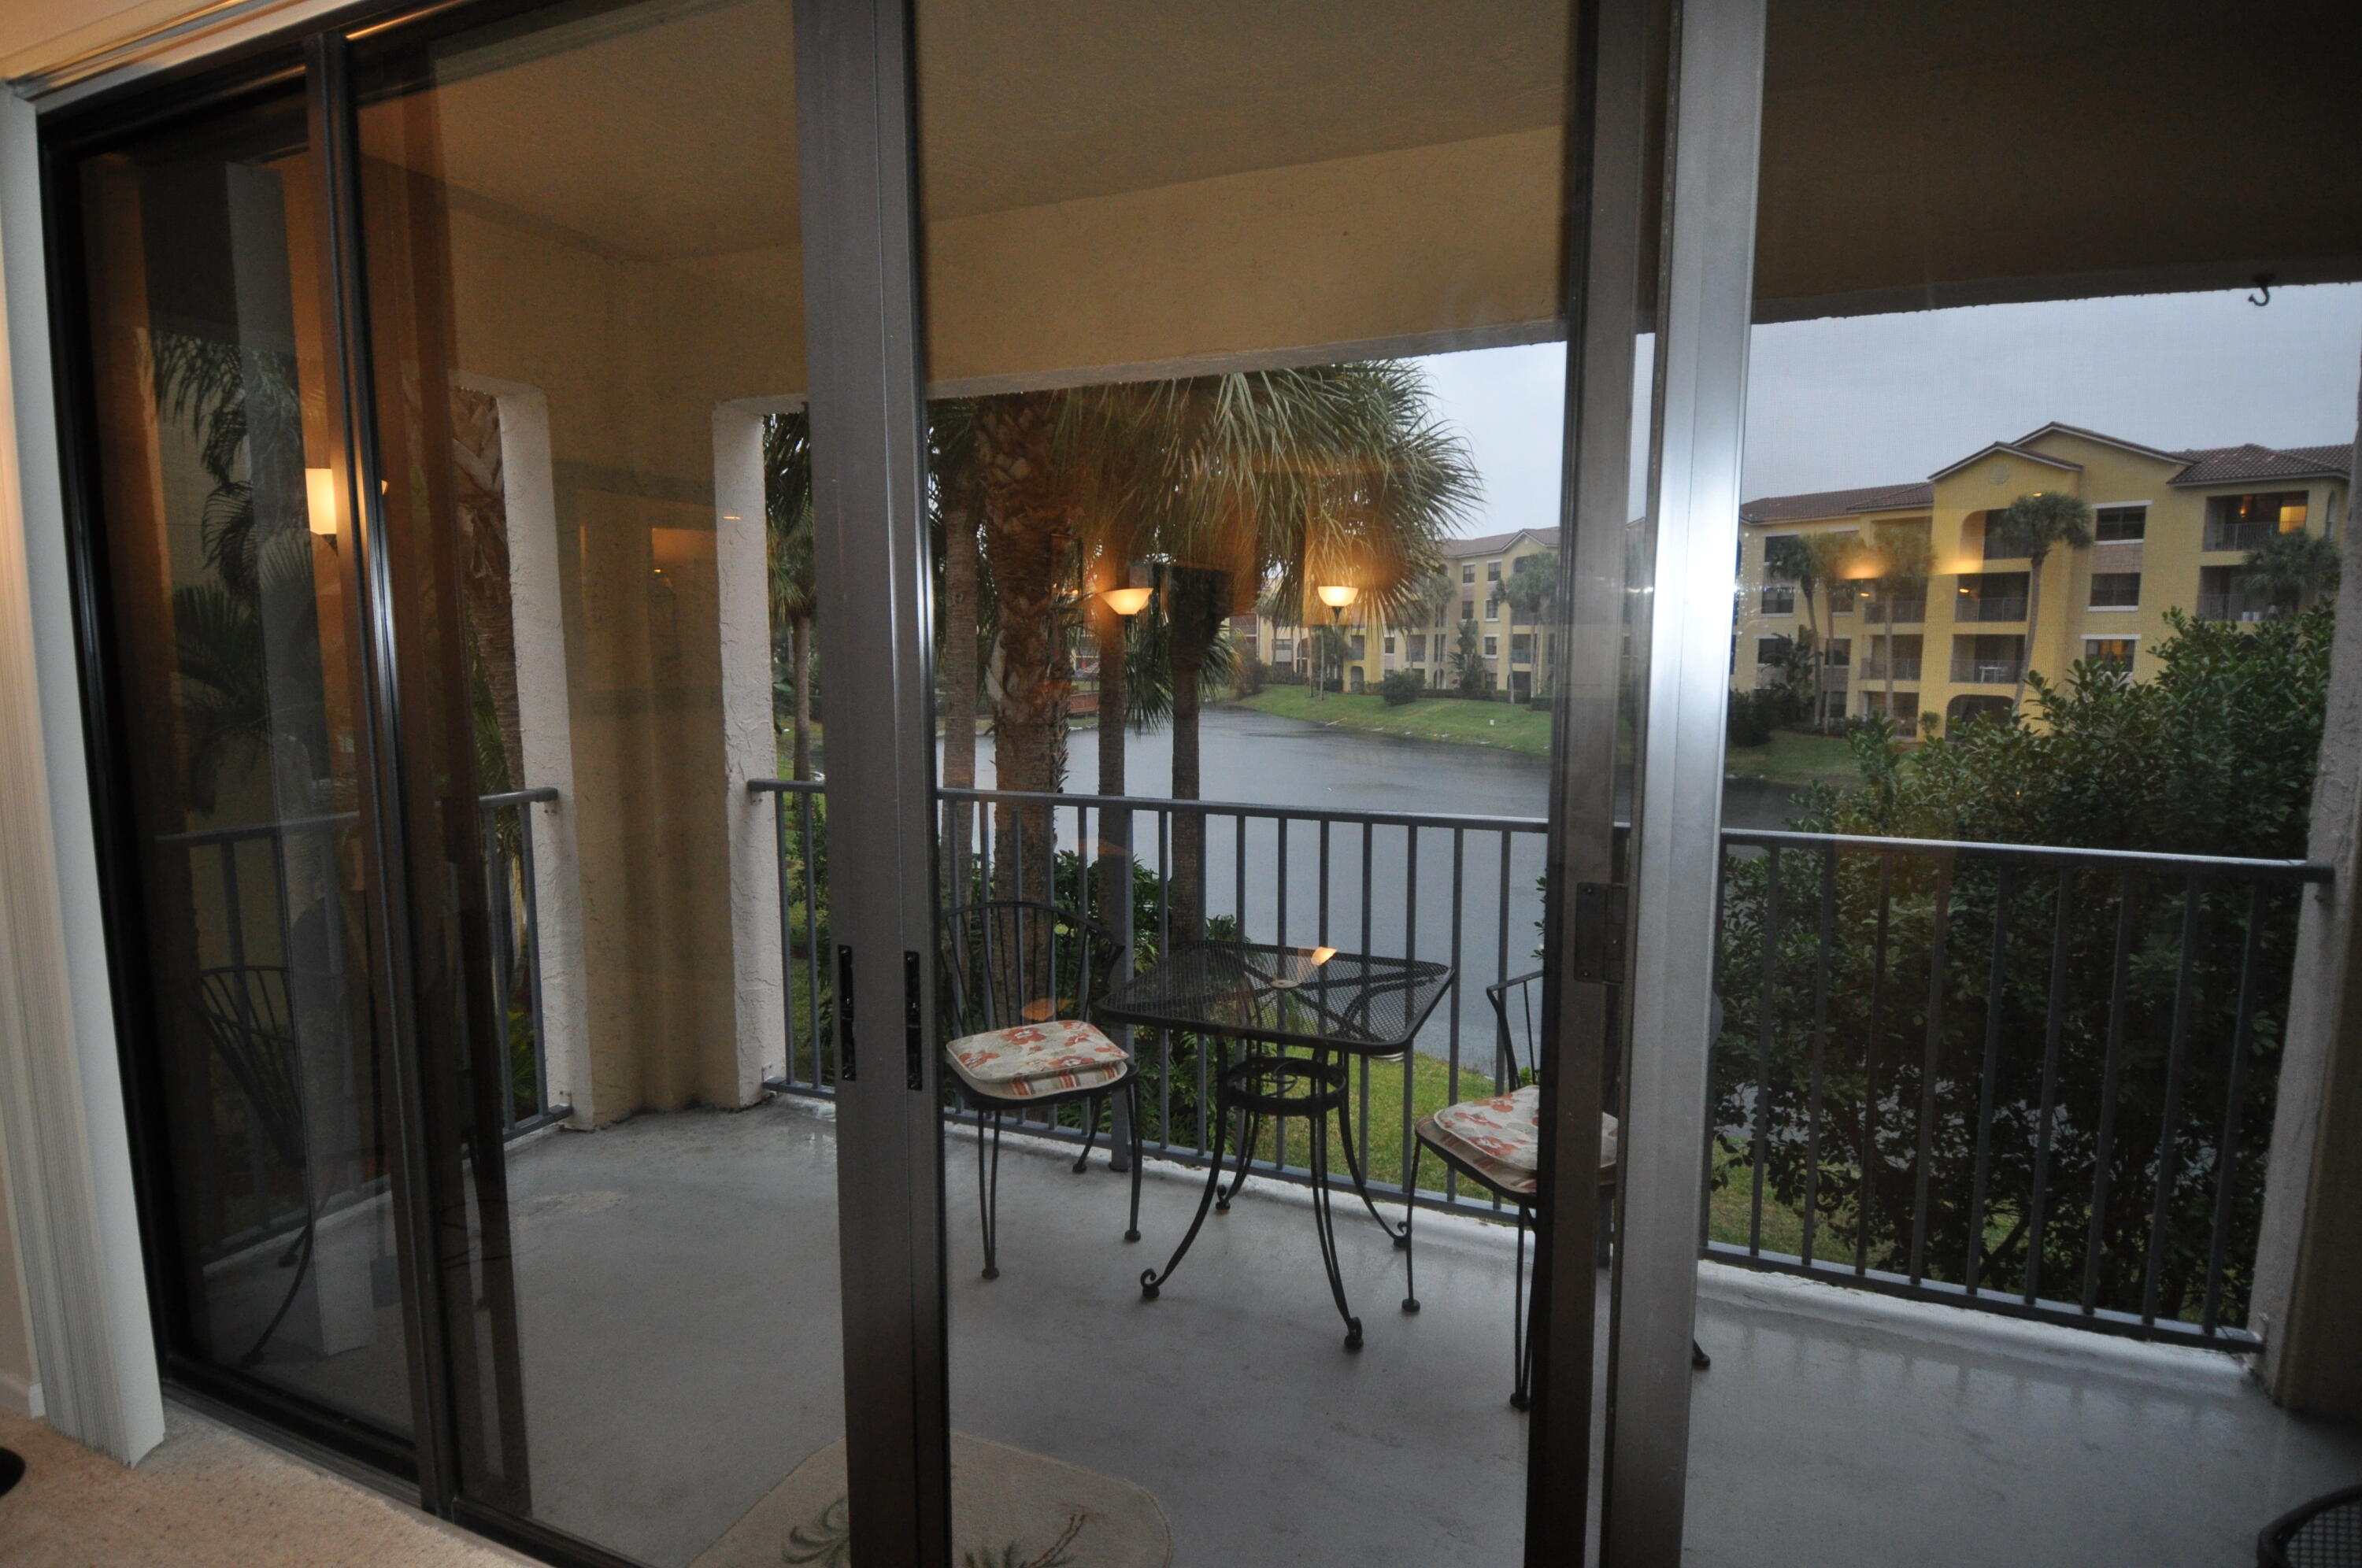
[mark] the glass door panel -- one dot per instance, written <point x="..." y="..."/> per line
<point x="581" y="232"/>
<point x="1248" y="406"/>
<point x="230" y="592"/>
<point x="2032" y="650"/>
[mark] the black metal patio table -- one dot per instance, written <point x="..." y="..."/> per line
<point x="1328" y="1004"/>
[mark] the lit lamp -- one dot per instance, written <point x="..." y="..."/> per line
<point x="320" y="501"/>
<point x="1128" y="601"/>
<point x="1337" y="595"/>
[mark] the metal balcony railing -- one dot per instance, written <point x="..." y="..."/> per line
<point x="2035" y="1080"/>
<point x="2236" y="607"/>
<point x="263" y="882"/>
<point x="2238" y="535"/>
<point x="1986" y="672"/>
<point x="1875" y="668"/>
<point x="1901" y="613"/>
<point x="1968" y="607"/>
<point x="2066" y="1054"/>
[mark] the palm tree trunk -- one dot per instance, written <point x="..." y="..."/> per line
<point x="2033" y="608"/>
<point x="800" y="635"/>
<point x="1193" y="606"/>
<point x="1026" y="529"/>
<point x="1115" y="827"/>
<point x="960" y="606"/>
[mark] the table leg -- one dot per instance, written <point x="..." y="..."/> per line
<point x="1324" y="1222"/>
<point x="1151" y="1281"/>
<point x="1401" y="1236"/>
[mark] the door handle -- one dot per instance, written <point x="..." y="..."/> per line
<point x="844" y="1013"/>
<point x="914" y="1048"/>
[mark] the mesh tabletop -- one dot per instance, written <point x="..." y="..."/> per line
<point x="1296" y="996"/>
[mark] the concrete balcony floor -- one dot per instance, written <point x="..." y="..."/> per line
<point x="678" y="1297"/>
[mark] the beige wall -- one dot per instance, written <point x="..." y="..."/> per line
<point x="18" y="1374"/>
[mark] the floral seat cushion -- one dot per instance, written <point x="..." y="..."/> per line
<point x="1035" y="1059"/>
<point x="1501" y="1138"/>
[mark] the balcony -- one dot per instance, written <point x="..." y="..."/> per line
<point x="2239" y="535"/>
<point x="1901" y="613"/>
<point x="1898" y="669"/>
<point x="2094" y="1326"/>
<point x="1970" y="607"/>
<point x="2238" y="607"/>
<point x="1986" y="672"/>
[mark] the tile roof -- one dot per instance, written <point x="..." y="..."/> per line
<point x="1494" y="544"/>
<point x="1836" y="502"/>
<point x="2203" y="465"/>
<point x="2230" y="465"/>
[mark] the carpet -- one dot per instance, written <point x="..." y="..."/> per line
<point x="209" y="1497"/>
<point x="1009" y="1509"/>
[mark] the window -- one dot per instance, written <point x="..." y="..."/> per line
<point x="1770" y="650"/>
<point x="2116" y="653"/>
<point x="1995" y="550"/>
<point x="2244" y="522"/>
<point x="2116" y="589"/>
<point x="1840" y="652"/>
<point x="1491" y="609"/>
<point x="1418" y="649"/>
<point x="1388" y="645"/>
<point x="1359" y="645"/>
<point x="1468" y="607"/>
<point x="1492" y="647"/>
<point x="1778" y="599"/>
<point x="1468" y="573"/>
<point x="1492" y="571"/>
<point x="1282" y="650"/>
<point x="1521" y="647"/>
<point x="2113" y="525"/>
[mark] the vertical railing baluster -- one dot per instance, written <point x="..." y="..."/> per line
<point x="1410" y="951"/>
<point x="1765" y="1021"/>
<point x="529" y="873"/>
<point x="1322" y="938"/>
<point x="1451" y="1051"/>
<point x="2168" y="1151"/>
<point x="1996" y="998"/>
<point x="2226" y="1157"/>
<point x="2104" y="1150"/>
<point x="1824" y="941"/>
<point x="1927" y="1070"/>
<point x="1869" y="1063"/>
<point x="821" y="1039"/>
<point x="2046" y="1123"/>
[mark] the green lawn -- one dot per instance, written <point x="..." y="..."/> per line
<point x="1502" y="725"/>
<point x="1795" y="757"/>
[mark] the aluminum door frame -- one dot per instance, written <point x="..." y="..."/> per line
<point x="856" y="103"/>
<point x="1704" y="294"/>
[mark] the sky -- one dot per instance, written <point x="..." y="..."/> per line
<point x="1886" y="400"/>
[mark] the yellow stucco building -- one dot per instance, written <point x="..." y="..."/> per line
<point x="2172" y="529"/>
<point x="1513" y="650"/>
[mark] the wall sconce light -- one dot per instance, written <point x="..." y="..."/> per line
<point x="320" y="501"/>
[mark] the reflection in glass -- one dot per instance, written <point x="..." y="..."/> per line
<point x="581" y="231"/>
<point x="231" y="589"/>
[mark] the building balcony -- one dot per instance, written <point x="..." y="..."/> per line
<point x="2238" y="607"/>
<point x="2241" y="536"/>
<point x="1901" y="613"/>
<point x="1970" y="608"/>
<point x="1986" y="672"/>
<point x="1876" y="669"/>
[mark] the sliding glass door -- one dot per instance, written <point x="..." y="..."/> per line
<point x="873" y="786"/>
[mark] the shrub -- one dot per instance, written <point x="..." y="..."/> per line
<point x="1753" y="714"/>
<point x="1401" y="688"/>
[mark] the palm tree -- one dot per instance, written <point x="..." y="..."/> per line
<point x="1432" y="599"/>
<point x="1532" y="592"/>
<point x="1893" y="565"/>
<point x="955" y="505"/>
<point x="2295" y="565"/>
<point x="1335" y="474"/>
<point x="2033" y="526"/>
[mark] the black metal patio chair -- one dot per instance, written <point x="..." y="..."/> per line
<point x="1496" y="1142"/>
<point x="249" y="1014"/>
<point x="1020" y="979"/>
